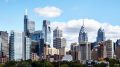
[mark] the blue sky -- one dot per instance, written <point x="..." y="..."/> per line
<point x="12" y="11"/>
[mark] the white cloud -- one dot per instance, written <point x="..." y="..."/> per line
<point x="48" y="11"/>
<point x="71" y="29"/>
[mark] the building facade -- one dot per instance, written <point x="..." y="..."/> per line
<point x="4" y="47"/>
<point x="46" y="32"/>
<point x="83" y="53"/>
<point x="27" y="48"/>
<point x="16" y="46"/>
<point x="100" y="35"/>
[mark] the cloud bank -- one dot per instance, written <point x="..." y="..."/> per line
<point x="49" y="11"/>
<point x="71" y="29"/>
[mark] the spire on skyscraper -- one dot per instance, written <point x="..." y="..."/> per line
<point x="26" y="12"/>
<point x="83" y="22"/>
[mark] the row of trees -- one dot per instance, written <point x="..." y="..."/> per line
<point x="43" y="63"/>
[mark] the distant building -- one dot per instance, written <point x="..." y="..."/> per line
<point x="104" y="49"/>
<point x="29" y="26"/>
<point x="117" y="49"/>
<point x="84" y="48"/>
<point x="74" y="51"/>
<point x="100" y="35"/>
<point x="109" y="48"/>
<point x="34" y="57"/>
<point x="29" y="29"/>
<point x="27" y="48"/>
<point x="57" y="33"/>
<point x="94" y="53"/>
<point x="36" y="37"/>
<point x="4" y="59"/>
<point x="16" y="46"/>
<point x="4" y="47"/>
<point x="46" y="31"/>
<point x="59" y="43"/>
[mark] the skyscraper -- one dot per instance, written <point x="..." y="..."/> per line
<point x="57" y="33"/>
<point x="83" y="45"/>
<point x="29" y="26"/>
<point x="46" y="31"/>
<point x="25" y="23"/>
<point x="37" y="37"/>
<point x="16" y="46"/>
<point x="4" y="47"/>
<point x="27" y="48"/>
<point x="100" y="35"/>
<point x="82" y="35"/>
<point x="58" y="40"/>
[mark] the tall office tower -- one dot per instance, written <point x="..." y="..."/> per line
<point x="58" y="40"/>
<point x="82" y="35"/>
<point x="25" y="23"/>
<point x="83" y="44"/>
<point x="47" y="32"/>
<point x="100" y="35"/>
<point x="57" y="33"/>
<point x="27" y="48"/>
<point x="16" y="46"/>
<point x="29" y="26"/>
<point x="4" y="47"/>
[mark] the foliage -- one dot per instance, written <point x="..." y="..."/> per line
<point x="64" y="65"/>
<point x="43" y="63"/>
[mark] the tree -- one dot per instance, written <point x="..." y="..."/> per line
<point x="10" y="64"/>
<point x="64" y="65"/>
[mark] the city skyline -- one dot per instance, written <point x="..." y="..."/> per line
<point x="70" y="16"/>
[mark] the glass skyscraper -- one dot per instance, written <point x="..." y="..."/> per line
<point x="16" y="46"/>
<point x="100" y="35"/>
<point x="37" y="38"/>
<point x="46" y="32"/>
<point x="82" y="35"/>
<point x="84" y="47"/>
<point x="27" y="48"/>
<point x="29" y="26"/>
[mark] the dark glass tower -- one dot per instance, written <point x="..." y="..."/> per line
<point x="100" y="35"/>
<point x="29" y="26"/>
<point x="25" y="23"/>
